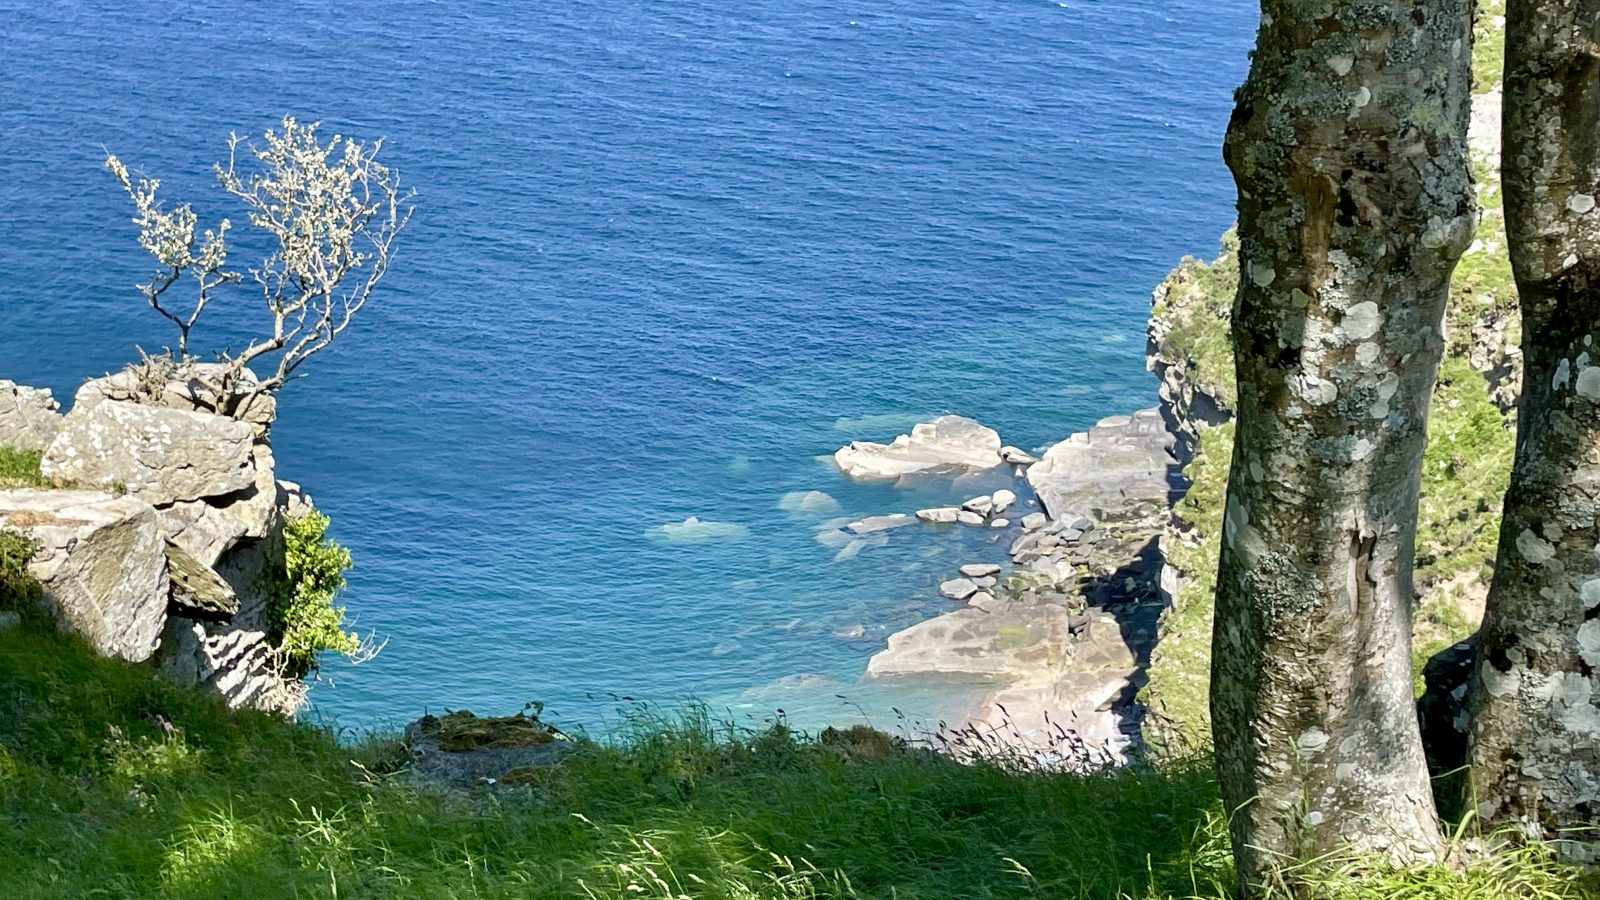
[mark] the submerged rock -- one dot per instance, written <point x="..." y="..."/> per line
<point x="693" y="530"/>
<point x="948" y="442"/>
<point x="854" y="547"/>
<point x="873" y="524"/>
<point x="808" y="502"/>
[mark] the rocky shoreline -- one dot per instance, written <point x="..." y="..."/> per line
<point x="1054" y="634"/>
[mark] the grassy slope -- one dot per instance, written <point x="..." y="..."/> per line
<point x="95" y="793"/>
<point x="1466" y="468"/>
<point x="115" y="784"/>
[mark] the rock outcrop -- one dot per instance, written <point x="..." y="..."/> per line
<point x="102" y="562"/>
<point x="158" y="455"/>
<point x="172" y="556"/>
<point x="29" y="417"/>
<point x="947" y="443"/>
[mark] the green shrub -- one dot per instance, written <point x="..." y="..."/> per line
<point x="302" y="618"/>
<point x="18" y="589"/>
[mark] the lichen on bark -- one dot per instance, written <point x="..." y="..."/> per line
<point x="1348" y="145"/>
<point x="1534" y="740"/>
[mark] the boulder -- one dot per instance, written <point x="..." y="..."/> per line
<point x="1442" y="710"/>
<point x="958" y="588"/>
<point x="1000" y="523"/>
<point x="1014" y="456"/>
<point x="209" y="528"/>
<point x="873" y="524"/>
<point x="948" y="442"/>
<point x="940" y="514"/>
<point x="1119" y="465"/>
<point x="461" y="750"/>
<point x="1002" y="500"/>
<point x="980" y="570"/>
<point x="968" y="517"/>
<point x="159" y="455"/>
<point x="29" y="417"/>
<point x="1034" y="521"/>
<point x="197" y="591"/>
<point x="981" y="505"/>
<point x="102" y="563"/>
<point x="985" y="601"/>
<point x="1007" y="641"/>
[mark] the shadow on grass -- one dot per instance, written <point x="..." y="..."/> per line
<point x="113" y="783"/>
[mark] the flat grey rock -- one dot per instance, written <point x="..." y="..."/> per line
<point x="958" y="588"/>
<point x="946" y="443"/>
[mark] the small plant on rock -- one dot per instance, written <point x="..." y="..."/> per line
<point x="18" y="588"/>
<point x="302" y="618"/>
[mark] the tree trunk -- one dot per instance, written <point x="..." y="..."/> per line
<point x="1348" y="145"/>
<point x="1535" y="731"/>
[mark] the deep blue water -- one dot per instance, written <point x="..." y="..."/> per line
<point x="666" y="255"/>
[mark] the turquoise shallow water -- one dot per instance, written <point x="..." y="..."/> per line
<point x="667" y="255"/>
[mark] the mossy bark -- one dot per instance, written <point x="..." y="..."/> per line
<point x="1348" y="144"/>
<point x="1535" y="728"/>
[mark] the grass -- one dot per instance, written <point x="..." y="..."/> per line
<point x="20" y="469"/>
<point x="113" y="783"/>
<point x="1197" y="305"/>
<point x="116" y="784"/>
<point x="1488" y="44"/>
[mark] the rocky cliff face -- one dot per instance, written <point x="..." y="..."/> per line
<point x="164" y="544"/>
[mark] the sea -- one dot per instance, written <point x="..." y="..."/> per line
<point x="666" y="257"/>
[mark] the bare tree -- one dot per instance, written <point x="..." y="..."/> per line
<point x="1534" y="737"/>
<point x="170" y="237"/>
<point x="1348" y="145"/>
<point x="332" y="212"/>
